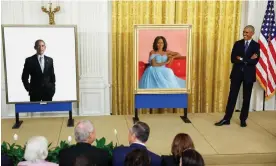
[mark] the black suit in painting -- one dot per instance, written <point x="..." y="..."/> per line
<point x="42" y="84"/>
<point x="243" y="71"/>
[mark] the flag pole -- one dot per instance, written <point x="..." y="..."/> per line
<point x="264" y="102"/>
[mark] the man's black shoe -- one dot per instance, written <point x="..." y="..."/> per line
<point x="223" y="122"/>
<point x="243" y="124"/>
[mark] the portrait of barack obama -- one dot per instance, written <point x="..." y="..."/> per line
<point x="40" y="69"/>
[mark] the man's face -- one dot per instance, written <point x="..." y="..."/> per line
<point x="40" y="48"/>
<point x="92" y="137"/>
<point x="247" y="34"/>
<point x="131" y="137"/>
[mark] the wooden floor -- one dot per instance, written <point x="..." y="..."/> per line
<point x="227" y="145"/>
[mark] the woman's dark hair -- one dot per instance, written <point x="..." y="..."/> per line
<point x="181" y="142"/>
<point x="138" y="157"/>
<point x="191" y="157"/>
<point x="154" y="46"/>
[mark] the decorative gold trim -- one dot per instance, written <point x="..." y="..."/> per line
<point x="186" y="90"/>
<point x="51" y="13"/>
<point x="42" y="26"/>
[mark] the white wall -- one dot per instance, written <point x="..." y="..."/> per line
<point x="93" y="20"/>
<point x="253" y="13"/>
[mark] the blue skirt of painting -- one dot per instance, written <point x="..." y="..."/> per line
<point x="161" y="101"/>
<point x="38" y="107"/>
<point x="160" y="76"/>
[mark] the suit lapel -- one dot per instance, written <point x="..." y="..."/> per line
<point x="46" y="63"/>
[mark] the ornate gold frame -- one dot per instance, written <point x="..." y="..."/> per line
<point x="188" y="65"/>
<point x="43" y="26"/>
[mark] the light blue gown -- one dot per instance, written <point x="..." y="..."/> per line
<point x="160" y="76"/>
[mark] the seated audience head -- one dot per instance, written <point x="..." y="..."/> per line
<point x="139" y="133"/>
<point x="137" y="157"/>
<point x="180" y="143"/>
<point x="36" y="149"/>
<point x="85" y="132"/>
<point x="190" y="157"/>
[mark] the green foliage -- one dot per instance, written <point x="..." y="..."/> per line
<point x="13" y="151"/>
<point x="109" y="147"/>
<point x="16" y="152"/>
<point x="53" y="152"/>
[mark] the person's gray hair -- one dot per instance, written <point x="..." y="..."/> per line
<point x="141" y="130"/>
<point x="83" y="130"/>
<point x="250" y="27"/>
<point x="36" y="149"/>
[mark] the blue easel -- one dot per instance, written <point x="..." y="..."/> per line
<point x="161" y="101"/>
<point x="42" y="107"/>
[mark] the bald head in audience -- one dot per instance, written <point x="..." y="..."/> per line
<point x="85" y="132"/>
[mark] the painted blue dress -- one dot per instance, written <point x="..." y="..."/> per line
<point x="160" y="76"/>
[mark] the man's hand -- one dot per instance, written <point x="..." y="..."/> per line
<point x="254" y="56"/>
<point x="238" y="57"/>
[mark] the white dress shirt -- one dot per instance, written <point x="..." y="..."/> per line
<point x="42" y="62"/>
<point x="248" y="41"/>
<point x="136" y="142"/>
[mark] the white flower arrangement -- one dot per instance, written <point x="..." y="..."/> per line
<point x="69" y="139"/>
<point x="15" y="137"/>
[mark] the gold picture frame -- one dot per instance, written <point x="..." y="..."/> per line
<point x="147" y="31"/>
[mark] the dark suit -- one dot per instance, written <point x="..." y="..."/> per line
<point x="96" y="156"/>
<point x="42" y="84"/>
<point x="119" y="155"/>
<point x="243" y="71"/>
<point x="169" y="160"/>
<point x="6" y="160"/>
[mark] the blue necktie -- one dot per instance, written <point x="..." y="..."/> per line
<point x="246" y="46"/>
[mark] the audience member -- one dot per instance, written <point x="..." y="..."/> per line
<point x="85" y="135"/>
<point x="138" y="157"/>
<point x="6" y="160"/>
<point x="180" y="143"/>
<point x="191" y="157"/>
<point x="36" y="152"/>
<point x="137" y="137"/>
<point x="83" y="160"/>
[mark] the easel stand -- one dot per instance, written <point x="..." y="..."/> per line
<point x="161" y="101"/>
<point x="42" y="107"/>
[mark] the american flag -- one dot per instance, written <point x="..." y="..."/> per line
<point x="266" y="67"/>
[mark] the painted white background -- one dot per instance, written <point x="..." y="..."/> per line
<point x="60" y="46"/>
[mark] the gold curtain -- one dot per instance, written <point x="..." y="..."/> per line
<point x="216" y="26"/>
